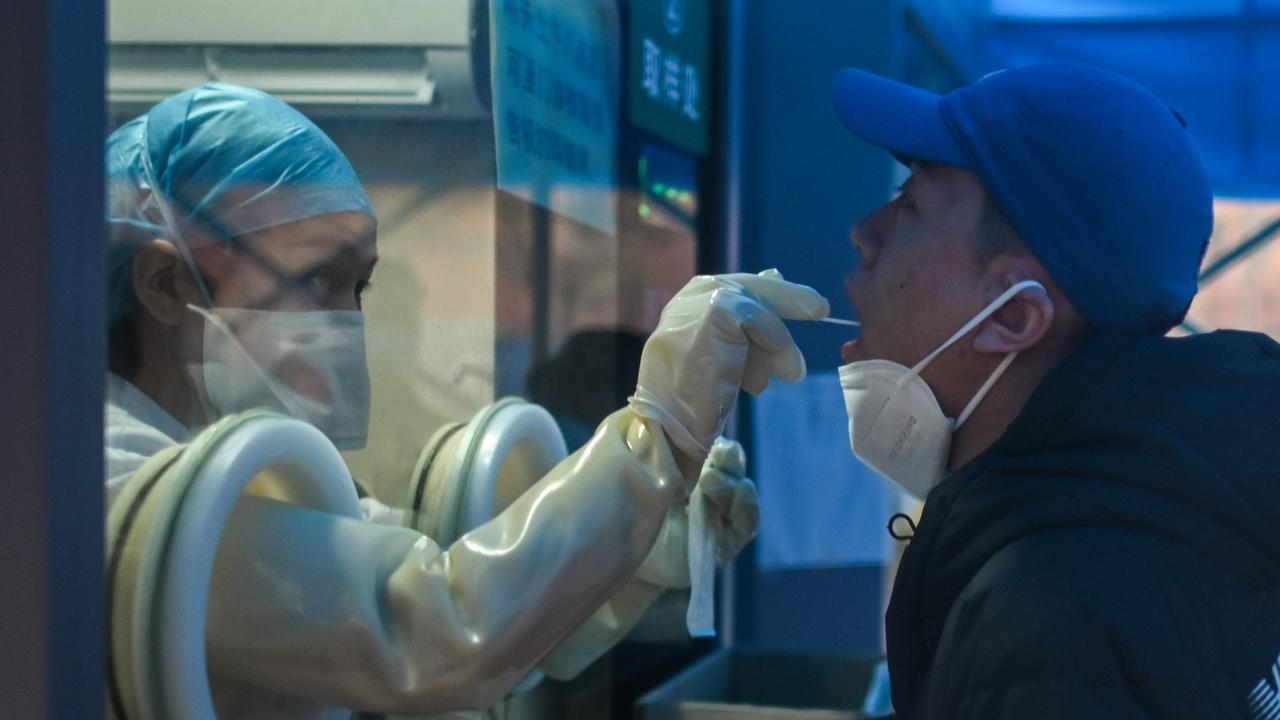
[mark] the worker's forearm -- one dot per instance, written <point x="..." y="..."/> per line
<point x="379" y="618"/>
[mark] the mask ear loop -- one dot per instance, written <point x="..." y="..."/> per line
<point x="172" y="225"/>
<point x="986" y="388"/>
<point x="985" y="313"/>
<point x="187" y="257"/>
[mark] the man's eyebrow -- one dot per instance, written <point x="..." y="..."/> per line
<point x="921" y="176"/>
<point x="922" y="166"/>
<point x="906" y="188"/>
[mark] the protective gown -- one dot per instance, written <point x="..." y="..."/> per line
<point x="351" y="614"/>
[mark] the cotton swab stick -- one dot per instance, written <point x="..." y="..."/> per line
<point x="838" y="321"/>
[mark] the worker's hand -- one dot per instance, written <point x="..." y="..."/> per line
<point x="731" y="505"/>
<point x="731" y="514"/>
<point x="718" y="334"/>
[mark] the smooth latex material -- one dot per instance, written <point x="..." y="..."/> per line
<point x="344" y="613"/>
<point x="161" y="549"/>
<point x="311" y="612"/>
<point x="723" y="511"/>
<point x="718" y="334"/>
<point x="468" y="473"/>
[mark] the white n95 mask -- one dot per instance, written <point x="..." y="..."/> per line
<point x="278" y="354"/>
<point x="895" y="423"/>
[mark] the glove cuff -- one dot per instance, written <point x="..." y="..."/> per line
<point x="644" y="404"/>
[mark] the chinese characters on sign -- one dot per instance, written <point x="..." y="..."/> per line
<point x="667" y="79"/>
<point x="553" y="113"/>
<point x="669" y="52"/>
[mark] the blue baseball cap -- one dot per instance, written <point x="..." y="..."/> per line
<point x="1097" y="174"/>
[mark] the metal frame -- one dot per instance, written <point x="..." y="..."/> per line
<point x="54" y="324"/>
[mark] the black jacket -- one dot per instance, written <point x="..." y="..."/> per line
<point x="1116" y="554"/>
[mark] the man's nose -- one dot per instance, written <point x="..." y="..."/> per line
<point x="870" y="233"/>
<point x="866" y="240"/>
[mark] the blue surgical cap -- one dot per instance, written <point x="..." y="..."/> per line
<point x="213" y="163"/>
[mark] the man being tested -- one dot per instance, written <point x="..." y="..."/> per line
<point x="1101" y="536"/>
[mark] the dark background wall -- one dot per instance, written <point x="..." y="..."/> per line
<point x="52" y="358"/>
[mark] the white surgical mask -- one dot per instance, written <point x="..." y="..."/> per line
<point x="253" y="369"/>
<point x="895" y="423"/>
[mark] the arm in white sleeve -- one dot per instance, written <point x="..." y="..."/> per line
<point x="733" y="518"/>
<point x="334" y="610"/>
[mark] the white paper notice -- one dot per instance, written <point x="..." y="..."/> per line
<point x="555" y="107"/>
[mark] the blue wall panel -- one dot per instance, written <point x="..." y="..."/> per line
<point x="805" y="181"/>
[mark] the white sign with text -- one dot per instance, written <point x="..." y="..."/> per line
<point x="554" y="112"/>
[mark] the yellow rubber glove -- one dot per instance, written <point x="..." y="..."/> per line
<point x="733" y="517"/>
<point x="718" y="334"/>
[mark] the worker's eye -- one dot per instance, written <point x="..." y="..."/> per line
<point x="318" y="287"/>
<point x="318" y="282"/>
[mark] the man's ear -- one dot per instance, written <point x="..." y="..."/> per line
<point x="162" y="282"/>
<point x="1022" y="322"/>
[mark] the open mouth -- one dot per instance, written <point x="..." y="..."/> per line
<point x="848" y="351"/>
